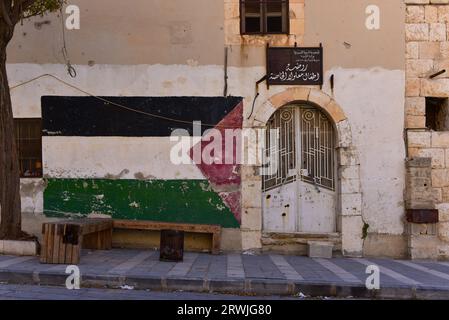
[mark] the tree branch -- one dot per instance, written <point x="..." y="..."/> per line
<point x="5" y="13"/>
<point x="20" y="6"/>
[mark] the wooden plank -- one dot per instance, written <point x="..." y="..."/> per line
<point x="76" y="251"/>
<point x="87" y="241"/>
<point x="109" y="239"/>
<point x="68" y="253"/>
<point x="62" y="245"/>
<point x="50" y="241"/>
<point x="92" y="241"/>
<point x="88" y="225"/>
<point x="48" y="233"/>
<point x="106" y="239"/>
<point x="96" y="225"/>
<point x="103" y="239"/>
<point x="57" y="241"/>
<point x="216" y="240"/>
<point x="156" y="225"/>
<point x="43" y="257"/>
<point x="76" y="254"/>
<point x="100" y="240"/>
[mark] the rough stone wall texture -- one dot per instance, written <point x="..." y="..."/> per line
<point x="349" y="216"/>
<point x="427" y="52"/>
<point x="158" y="61"/>
<point x="422" y="239"/>
<point x="368" y="75"/>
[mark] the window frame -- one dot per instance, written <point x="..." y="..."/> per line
<point x="17" y="122"/>
<point x="263" y="22"/>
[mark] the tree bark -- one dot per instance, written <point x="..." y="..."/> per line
<point x="10" y="223"/>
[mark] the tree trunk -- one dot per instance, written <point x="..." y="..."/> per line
<point x="11" y="222"/>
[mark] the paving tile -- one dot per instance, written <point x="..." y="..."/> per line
<point x="235" y="267"/>
<point x="229" y="271"/>
<point x="260" y="267"/>
<point x="182" y="268"/>
<point x="161" y="269"/>
<point x="312" y="270"/>
<point x="14" y="261"/>
<point x="132" y="262"/>
<point x="344" y="275"/>
<point x="200" y="267"/>
<point x="217" y="267"/>
<point x="355" y="268"/>
<point x="398" y="276"/>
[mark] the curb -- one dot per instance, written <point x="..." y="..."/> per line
<point x="247" y="287"/>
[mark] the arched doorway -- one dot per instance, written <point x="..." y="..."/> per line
<point x="299" y="195"/>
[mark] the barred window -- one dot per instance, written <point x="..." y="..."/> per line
<point x="29" y="144"/>
<point x="264" y="16"/>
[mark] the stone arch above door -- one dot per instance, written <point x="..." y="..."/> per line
<point x="350" y="195"/>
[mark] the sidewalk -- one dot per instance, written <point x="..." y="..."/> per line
<point x="239" y="274"/>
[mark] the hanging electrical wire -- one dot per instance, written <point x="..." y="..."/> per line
<point x="70" y="69"/>
<point x="109" y="102"/>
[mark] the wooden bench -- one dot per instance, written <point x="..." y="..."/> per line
<point x="63" y="240"/>
<point x="215" y="230"/>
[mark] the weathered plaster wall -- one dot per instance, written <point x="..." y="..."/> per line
<point x="368" y="70"/>
<point x="114" y="157"/>
<point x="32" y="195"/>
<point x="368" y="85"/>
<point x="340" y="27"/>
<point x="372" y="99"/>
<point x="347" y="92"/>
<point x="119" y="59"/>
<point x="76" y="189"/>
<point x="115" y="32"/>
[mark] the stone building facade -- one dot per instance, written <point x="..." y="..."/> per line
<point x="427" y="52"/>
<point x="190" y="60"/>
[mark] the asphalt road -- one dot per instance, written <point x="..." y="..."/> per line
<point x="30" y="292"/>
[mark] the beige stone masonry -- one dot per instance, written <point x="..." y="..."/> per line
<point x="350" y="195"/>
<point x="427" y="52"/>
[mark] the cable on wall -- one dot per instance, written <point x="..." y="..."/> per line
<point x="70" y="69"/>
<point x="117" y="104"/>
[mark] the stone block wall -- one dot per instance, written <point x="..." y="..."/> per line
<point x="422" y="239"/>
<point x="427" y="52"/>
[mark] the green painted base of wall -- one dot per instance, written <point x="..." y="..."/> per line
<point x="187" y="201"/>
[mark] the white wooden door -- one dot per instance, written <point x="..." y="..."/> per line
<point x="300" y="195"/>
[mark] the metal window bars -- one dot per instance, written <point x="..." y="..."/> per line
<point x="306" y="129"/>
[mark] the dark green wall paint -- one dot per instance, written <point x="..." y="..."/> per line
<point x="188" y="201"/>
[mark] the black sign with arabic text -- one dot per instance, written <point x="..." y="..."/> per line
<point x="294" y="66"/>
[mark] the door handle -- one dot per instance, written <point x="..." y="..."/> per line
<point x="314" y="183"/>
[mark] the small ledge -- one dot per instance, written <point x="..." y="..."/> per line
<point x="18" y="247"/>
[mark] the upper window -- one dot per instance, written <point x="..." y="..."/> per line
<point x="264" y="16"/>
<point x="29" y="144"/>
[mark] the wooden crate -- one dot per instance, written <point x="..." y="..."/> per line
<point x="63" y="240"/>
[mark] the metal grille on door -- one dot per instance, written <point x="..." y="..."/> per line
<point x="316" y="144"/>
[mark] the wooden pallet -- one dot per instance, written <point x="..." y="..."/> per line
<point x="63" y="240"/>
<point x="215" y="230"/>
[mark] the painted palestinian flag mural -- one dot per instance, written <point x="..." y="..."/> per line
<point x="116" y="158"/>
